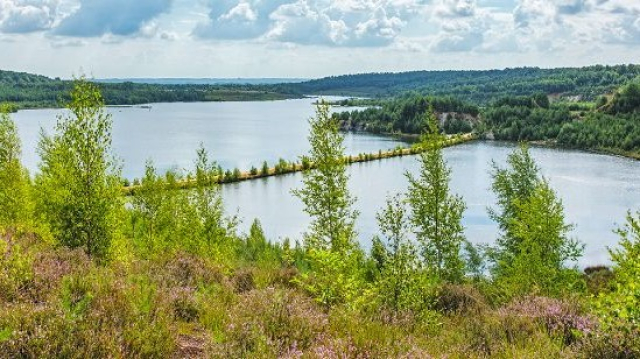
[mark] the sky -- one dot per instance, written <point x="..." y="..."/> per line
<point x="310" y="38"/>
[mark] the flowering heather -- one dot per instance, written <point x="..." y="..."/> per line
<point x="278" y="319"/>
<point x="557" y="316"/>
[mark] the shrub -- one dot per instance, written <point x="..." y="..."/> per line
<point x="306" y="163"/>
<point x="460" y="299"/>
<point x="559" y="318"/>
<point x="599" y="279"/>
<point x="618" y="341"/>
<point x="97" y="315"/>
<point x="265" y="169"/>
<point x="243" y="281"/>
<point x="236" y="174"/>
<point x="16" y="270"/>
<point x="273" y="322"/>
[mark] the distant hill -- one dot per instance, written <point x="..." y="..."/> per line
<point x="474" y="87"/>
<point x="28" y="91"/>
<point x="479" y="87"/>
<point x="204" y="81"/>
<point x="626" y="100"/>
<point x="22" y="78"/>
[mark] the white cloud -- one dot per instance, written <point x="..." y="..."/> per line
<point x="312" y="22"/>
<point x="456" y="8"/>
<point x="95" y="18"/>
<point x="25" y="16"/>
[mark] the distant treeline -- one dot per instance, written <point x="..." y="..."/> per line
<point x="480" y="87"/>
<point x="406" y="114"/>
<point x="609" y="123"/>
<point x="476" y="87"/>
<point x="28" y="90"/>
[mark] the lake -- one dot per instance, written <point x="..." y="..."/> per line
<point x="236" y="134"/>
<point x="597" y="190"/>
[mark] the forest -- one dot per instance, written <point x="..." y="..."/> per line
<point x="34" y="91"/>
<point x="474" y="87"/>
<point x="478" y="87"/>
<point x="87" y="272"/>
<point x="610" y="123"/>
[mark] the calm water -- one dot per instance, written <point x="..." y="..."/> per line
<point x="236" y="134"/>
<point x="596" y="190"/>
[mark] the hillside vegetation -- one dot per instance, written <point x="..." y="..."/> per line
<point x="610" y="123"/>
<point x="27" y="91"/>
<point x="478" y="87"/>
<point x="475" y="87"/>
<point x="88" y="273"/>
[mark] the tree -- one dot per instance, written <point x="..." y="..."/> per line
<point x="534" y="249"/>
<point x="212" y="227"/>
<point x="544" y="248"/>
<point x="148" y="213"/>
<point x="512" y="185"/>
<point x="396" y="256"/>
<point x="621" y="307"/>
<point x="325" y="195"/>
<point x="15" y="201"/>
<point x="167" y="217"/>
<point x="334" y="257"/>
<point x="436" y="214"/>
<point x="79" y="181"/>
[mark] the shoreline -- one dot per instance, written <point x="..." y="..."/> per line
<point x="600" y="151"/>
<point x="293" y="167"/>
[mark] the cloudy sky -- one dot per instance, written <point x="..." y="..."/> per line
<point x="310" y="38"/>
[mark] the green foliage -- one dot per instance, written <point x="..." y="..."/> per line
<point x="15" y="270"/>
<point x="512" y="185"/>
<point x="28" y="90"/>
<point x="332" y="253"/>
<point x="265" y="169"/>
<point x="78" y="187"/>
<point x="334" y="277"/>
<point x="16" y="206"/>
<point x="257" y="249"/>
<point x="620" y="132"/>
<point x="526" y="118"/>
<point x="406" y="115"/>
<point x="398" y="286"/>
<point x="236" y="174"/>
<point x="436" y="214"/>
<point x="166" y="217"/>
<point x="325" y="195"/>
<point x="626" y="100"/>
<point x="480" y="87"/>
<point x="531" y="255"/>
<point x="306" y="163"/>
<point x="622" y="306"/>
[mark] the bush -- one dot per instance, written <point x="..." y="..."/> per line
<point x="599" y="279"/>
<point x="460" y="299"/>
<point x="265" y="169"/>
<point x="560" y="318"/>
<point x="16" y="270"/>
<point x="619" y="341"/>
<point x="97" y="315"/>
<point x="273" y="322"/>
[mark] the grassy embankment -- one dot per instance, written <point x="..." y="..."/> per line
<point x="299" y="166"/>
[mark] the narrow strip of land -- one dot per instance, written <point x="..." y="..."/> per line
<point x="292" y="167"/>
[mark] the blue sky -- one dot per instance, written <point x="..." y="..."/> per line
<point x="310" y="38"/>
